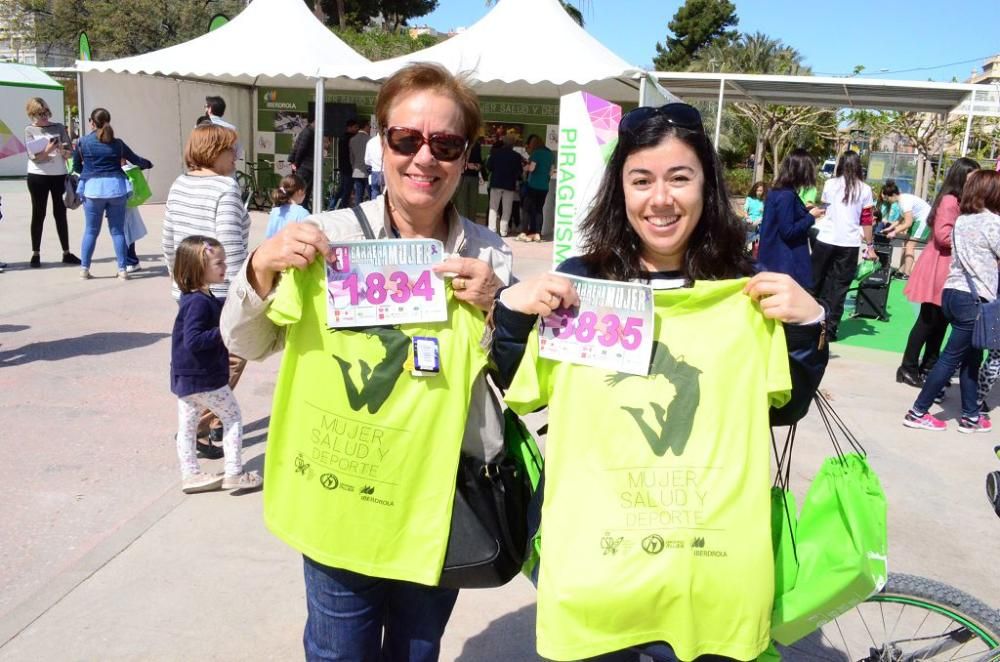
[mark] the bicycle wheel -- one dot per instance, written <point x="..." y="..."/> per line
<point x="247" y="189"/>
<point x="913" y="618"/>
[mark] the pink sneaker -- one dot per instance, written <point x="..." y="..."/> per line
<point x="924" y="422"/>
<point x="968" y="426"/>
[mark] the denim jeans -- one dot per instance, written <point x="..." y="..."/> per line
<point x="93" y="213"/>
<point x="131" y="257"/>
<point x="960" y="309"/>
<point x="360" y="188"/>
<point x="375" y="185"/>
<point x="356" y="618"/>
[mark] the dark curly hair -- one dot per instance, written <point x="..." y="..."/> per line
<point x="716" y="249"/>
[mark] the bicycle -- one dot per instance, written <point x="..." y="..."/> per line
<point x="254" y="193"/>
<point x="912" y="618"/>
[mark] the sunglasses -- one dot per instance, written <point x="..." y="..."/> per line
<point x="678" y="114"/>
<point x="444" y="146"/>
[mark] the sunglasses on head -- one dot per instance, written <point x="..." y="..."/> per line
<point x="444" y="146"/>
<point x="678" y="114"/>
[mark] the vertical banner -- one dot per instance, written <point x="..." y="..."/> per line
<point x="588" y="133"/>
<point x="84" y="47"/>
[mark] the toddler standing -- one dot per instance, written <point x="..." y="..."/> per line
<point x="199" y="368"/>
<point x="287" y="198"/>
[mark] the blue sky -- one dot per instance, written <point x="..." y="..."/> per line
<point x="833" y="36"/>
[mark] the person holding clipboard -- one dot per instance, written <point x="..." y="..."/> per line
<point x="48" y="147"/>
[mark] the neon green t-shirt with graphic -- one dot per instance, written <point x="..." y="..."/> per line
<point x="656" y="514"/>
<point x="362" y="454"/>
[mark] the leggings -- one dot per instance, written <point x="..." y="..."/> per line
<point x="988" y="374"/>
<point x="40" y="187"/>
<point x="222" y="402"/>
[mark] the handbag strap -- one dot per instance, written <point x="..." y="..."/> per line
<point x="366" y="227"/>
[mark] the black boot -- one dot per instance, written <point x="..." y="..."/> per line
<point x="907" y="376"/>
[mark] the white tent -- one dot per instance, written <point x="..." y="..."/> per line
<point x="154" y="98"/>
<point x="526" y="48"/>
<point x="18" y="83"/>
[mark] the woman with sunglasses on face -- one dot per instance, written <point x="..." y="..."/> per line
<point x="348" y="416"/>
<point x="48" y="148"/>
<point x="656" y="512"/>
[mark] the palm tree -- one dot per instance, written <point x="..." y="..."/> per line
<point x="574" y="12"/>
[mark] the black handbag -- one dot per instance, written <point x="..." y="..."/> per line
<point x="488" y="539"/>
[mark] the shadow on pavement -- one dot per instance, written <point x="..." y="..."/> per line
<point x="510" y="637"/>
<point x="104" y="342"/>
<point x="13" y="328"/>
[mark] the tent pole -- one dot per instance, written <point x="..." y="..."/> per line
<point x="317" y="184"/>
<point x="718" y="113"/>
<point x="79" y="104"/>
<point x="968" y="123"/>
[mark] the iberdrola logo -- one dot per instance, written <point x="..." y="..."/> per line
<point x="271" y="95"/>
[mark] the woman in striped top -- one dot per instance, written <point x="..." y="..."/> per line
<point x="206" y="201"/>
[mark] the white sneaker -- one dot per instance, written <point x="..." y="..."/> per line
<point x="85" y="274"/>
<point x="248" y="481"/>
<point x="132" y="268"/>
<point x="122" y="275"/>
<point x="201" y="482"/>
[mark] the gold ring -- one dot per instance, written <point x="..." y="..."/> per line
<point x="458" y="283"/>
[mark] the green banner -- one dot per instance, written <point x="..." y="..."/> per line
<point x="84" y="46"/>
<point x="217" y="22"/>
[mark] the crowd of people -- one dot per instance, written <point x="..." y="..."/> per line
<point x="820" y="245"/>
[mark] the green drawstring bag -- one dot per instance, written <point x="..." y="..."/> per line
<point x="784" y="517"/>
<point x="523" y="450"/>
<point x="866" y="269"/>
<point x="139" y="185"/>
<point x="840" y="540"/>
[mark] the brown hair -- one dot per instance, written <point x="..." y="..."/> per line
<point x="36" y="106"/>
<point x="205" y="143"/>
<point x="289" y="186"/>
<point x="102" y="123"/>
<point x="190" y="261"/>
<point x="426" y="77"/>
<point x="981" y="192"/>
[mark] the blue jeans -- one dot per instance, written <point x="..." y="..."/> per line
<point x="131" y="257"/>
<point x="360" y="188"/>
<point x="376" y="185"/>
<point x="356" y="618"/>
<point x="960" y="309"/>
<point x="342" y="197"/>
<point x="93" y="213"/>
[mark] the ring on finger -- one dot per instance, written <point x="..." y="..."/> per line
<point x="458" y="283"/>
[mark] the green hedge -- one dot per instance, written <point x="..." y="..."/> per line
<point x="739" y="180"/>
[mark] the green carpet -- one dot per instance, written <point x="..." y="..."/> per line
<point x="889" y="336"/>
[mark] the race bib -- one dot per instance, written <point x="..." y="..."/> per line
<point x="385" y="282"/>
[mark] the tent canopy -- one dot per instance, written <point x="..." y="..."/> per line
<point x="271" y="42"/>
<point x="902" y="95"/>
<point x="526" y="48"/>
<point x="23" y="75"/>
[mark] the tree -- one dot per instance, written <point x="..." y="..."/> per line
<point x="382" y="45"/>
<point x="359" y="14"/>
<point x="777" y="128"/>
<point x="696" y="25"/>
<point x="574" y="12"/>
<point x="118" y="29"/>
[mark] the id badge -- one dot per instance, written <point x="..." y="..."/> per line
<point x="426" y="356"/>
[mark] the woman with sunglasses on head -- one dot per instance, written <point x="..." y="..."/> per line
<point x="656" y="513"/>
<point x="373" y="557"/>
<point x="48" y="147"/>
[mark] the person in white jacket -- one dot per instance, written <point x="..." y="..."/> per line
<point x="373" y="159"/>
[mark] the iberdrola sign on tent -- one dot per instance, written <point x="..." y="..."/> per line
<point x="18" y="83"/>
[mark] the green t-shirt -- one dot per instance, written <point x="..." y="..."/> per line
<point x="362" y="455"/>
<point x="656" y="515"/>
<point x="538" y="178"/>
<point x="808" y="195"/>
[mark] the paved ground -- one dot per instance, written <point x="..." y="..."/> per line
<point x="103" y="558"/>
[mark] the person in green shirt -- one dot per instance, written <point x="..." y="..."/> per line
<point x="363" y="448"/>
<point x="538" y="171"/>
<point x="656" y="516"/>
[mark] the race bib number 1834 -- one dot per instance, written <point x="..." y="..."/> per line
<point x="388" y="281"/>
